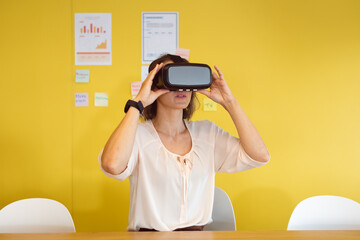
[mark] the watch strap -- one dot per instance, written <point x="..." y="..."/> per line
<point x="138" y="105"/>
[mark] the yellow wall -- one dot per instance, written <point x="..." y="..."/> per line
<point x="293" y="65"/>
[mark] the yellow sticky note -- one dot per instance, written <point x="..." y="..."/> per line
<point x="101" y="99"/>
<point x="209" y="105"/>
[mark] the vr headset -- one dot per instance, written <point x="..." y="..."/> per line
<point x="183" y="77"/>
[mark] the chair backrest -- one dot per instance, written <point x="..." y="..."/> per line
<point x="35" y="215"/>
<point x="326" y="213"/>
<point x="223" y="213"/>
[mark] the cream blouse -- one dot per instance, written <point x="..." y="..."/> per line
<point x="168" y="191"/>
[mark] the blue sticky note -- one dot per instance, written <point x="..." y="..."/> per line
<point x="82" y="76"/>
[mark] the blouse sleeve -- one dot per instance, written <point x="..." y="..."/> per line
<point x="130" y="166"/>
<point x="230" y="156"/>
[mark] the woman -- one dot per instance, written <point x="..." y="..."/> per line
<point x="171" y="162"/>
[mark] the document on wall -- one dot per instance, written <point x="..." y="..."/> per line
<point x="160" y="34"/>
<point x="93" y="39"/>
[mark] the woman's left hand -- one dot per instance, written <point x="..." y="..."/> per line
<point x="219" y="90"/>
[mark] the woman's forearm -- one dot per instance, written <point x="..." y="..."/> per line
<point x="118" y="148"/>
<point x="249" y="137"/>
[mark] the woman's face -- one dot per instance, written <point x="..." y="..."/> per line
<point x="175" y="99"/>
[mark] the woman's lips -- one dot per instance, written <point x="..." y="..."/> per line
<point x="180" y="95"/>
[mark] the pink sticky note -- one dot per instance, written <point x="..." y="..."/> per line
<point x="135" y="88"/>
<point x="184" y="53"/>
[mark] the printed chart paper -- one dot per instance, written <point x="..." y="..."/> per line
<point x="93" y="39"/>
<point x="160" y="34"/>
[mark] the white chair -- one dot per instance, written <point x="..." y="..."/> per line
<point x="223" y="213"/>
<point x="35" y="215"/>
<point x="326" y="213"/>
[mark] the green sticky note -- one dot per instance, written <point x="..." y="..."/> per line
<point x="82" y="76"/>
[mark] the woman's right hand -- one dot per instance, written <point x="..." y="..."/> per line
<point x="119" y="147"/>
<point x="146" y="95"/>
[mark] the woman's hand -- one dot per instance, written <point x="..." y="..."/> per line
<point x="250" y="138"/>
<point x="146" y="95"/>
<point x="219" y="90"/>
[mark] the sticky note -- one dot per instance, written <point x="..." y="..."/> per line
<point x="101" y="99"/>
<point x="82" y="76"/>
<point x="81" y="99"/>
<point x="184" y="53"/>
<point x="209" y="105"/>
<point x="144" y="72"/>
<point x="135" y="88"/>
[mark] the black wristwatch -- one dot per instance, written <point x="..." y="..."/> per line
<point x="138" y="105"/>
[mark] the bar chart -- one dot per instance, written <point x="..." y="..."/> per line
<point x="91" y="29"/>
<point x="93" y="39"/>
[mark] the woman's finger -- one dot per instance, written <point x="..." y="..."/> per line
<point x="204" y="92"/>
<point x="156" y="69"/>
<point x="219" y="72"/>
<point x="149" y="79"/>
<point x="214" y="75"/>
<point x="150" y="76"/>
<point x="160" y="92"/>
<point x="153" y="72"/>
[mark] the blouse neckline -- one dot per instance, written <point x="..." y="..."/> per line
<point x="163" y="146"/>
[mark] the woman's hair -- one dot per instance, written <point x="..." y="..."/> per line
<point x="150" y="111"/>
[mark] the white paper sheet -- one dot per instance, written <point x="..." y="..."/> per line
<point x="144" y="72"/>
<point x="160" y="34"/>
